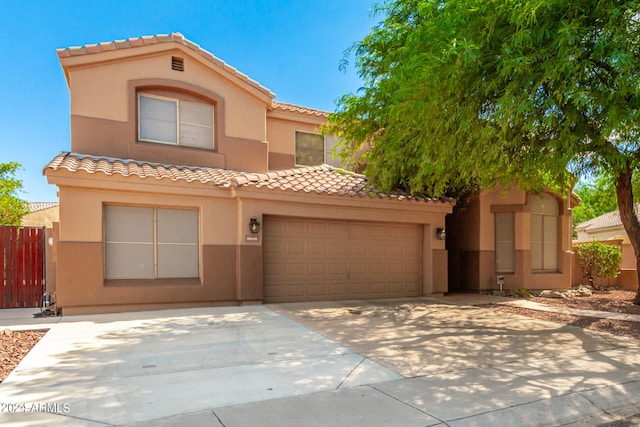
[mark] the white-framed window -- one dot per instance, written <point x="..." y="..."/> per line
<point x="150" y="242"/>
<point x="175" y="121"/>
<point x="544" y="232"/>
<point x="313" y="149"/>
<point x="505" y="242"/>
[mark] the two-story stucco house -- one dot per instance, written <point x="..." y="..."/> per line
<point x="188" y="184"/>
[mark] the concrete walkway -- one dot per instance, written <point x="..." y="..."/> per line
<point x="410" y="362"/>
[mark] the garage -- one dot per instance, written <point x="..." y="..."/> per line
<point x="318" y="260"/>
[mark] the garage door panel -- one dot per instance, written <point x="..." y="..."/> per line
<point x="339" y="290"/>
<point x="316" y="229"/>
<point x="315" y="290"/>
<point x="317" y="269"/>
<point x="295" y="269"/>
<point x="377" y="268"/>
<point x="331" y="260"/>
<point x="317" y="247"/>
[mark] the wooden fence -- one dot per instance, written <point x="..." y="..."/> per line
<point x="23" y="272"/>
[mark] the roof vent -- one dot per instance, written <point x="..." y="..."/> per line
<point x="177" y="64"/>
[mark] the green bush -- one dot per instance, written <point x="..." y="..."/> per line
<point x="599" y="260"/>
<point x="521" y="293"/>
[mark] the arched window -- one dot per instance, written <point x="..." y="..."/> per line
<point x="544" y="232"/>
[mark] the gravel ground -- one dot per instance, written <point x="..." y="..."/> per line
<point x="15" y="345"/>
<point x="616" y="301"/>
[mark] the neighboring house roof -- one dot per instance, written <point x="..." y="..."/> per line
<point x="40" y="206"/>
<point x="322" y="179"/>
<point x="89" y="49"/>
<point x="608" y="220"/>
<point x="298" y="109"/>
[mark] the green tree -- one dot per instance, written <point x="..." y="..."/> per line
<point x="464" y="93"/>
<point x="12" y="208"/>
<point x="598" y="197"/>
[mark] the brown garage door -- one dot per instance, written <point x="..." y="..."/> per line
<point x="315" y="260"/>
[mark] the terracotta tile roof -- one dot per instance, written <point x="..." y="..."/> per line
<point x="40" y="206"/>
<point x="608" y="220"/>
<point x="298" y="109"/>
<point x="323" y="179"/>
<point x="75" y="162"/>
<point x="89" y="49"/>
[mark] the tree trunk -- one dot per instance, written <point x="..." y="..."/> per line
<point x="624" y="190"/>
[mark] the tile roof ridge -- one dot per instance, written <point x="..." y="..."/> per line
<point x="148" y="40"/>
<point x="299" y="108"/>
<point x="96" y="158"/>
<point x="606" y="220"/>
<point x="40" y="206"/>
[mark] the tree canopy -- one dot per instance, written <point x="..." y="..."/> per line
<point x="12" y="208"/>
<point x="598" y="197"/>
<point x="460" y="93"/>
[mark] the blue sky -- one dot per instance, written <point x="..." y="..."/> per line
<point x="292" y="47"/>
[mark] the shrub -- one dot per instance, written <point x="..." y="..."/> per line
<point x="599" y="260"/>
<point x="521" y="293"/>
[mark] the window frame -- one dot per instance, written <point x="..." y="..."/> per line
<point x="155" y="243"/>
<point x="177" y="101"/>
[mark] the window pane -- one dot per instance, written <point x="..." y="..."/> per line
<point x="129" y="261"/>
<point x="128" y="242"/>
<point x="536" y="228"/>
<point x="196" y="124"/>
<point x="505" y="246"/>
<point x="550" y="260"/>
<point x="536" y="256"/>
<point x="158" y="119"/>
<point x="177" y="261"/>
<point x="331" y="143"/>
<point x="177" y="226"/>
<point x="196" y="113"/>
<point x="178" y="255"/>
<point x="127" y="224"/>
<point x="196" y="136"/>
<point x="309" y="149"/>
<point x="544" y="204"/>
<point x="550" y="228"/>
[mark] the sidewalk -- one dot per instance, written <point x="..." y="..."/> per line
<point x="22" y="319"/>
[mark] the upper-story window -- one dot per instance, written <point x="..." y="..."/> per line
<point x="175" y="121"/>
<point x="313" y="149"/>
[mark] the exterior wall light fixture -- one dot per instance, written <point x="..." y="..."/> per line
<point x="254" y="225"/>
<point x="441" y="234"/>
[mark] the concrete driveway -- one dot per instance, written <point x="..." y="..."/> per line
<point x="413" y="362"/>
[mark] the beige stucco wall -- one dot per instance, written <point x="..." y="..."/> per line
<point x="42" y="218"/>
<point x="602" y="234"/>
<point x="101" y="91"/>
<point x="472" y="252"/>
<point x="230" y="265"/>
